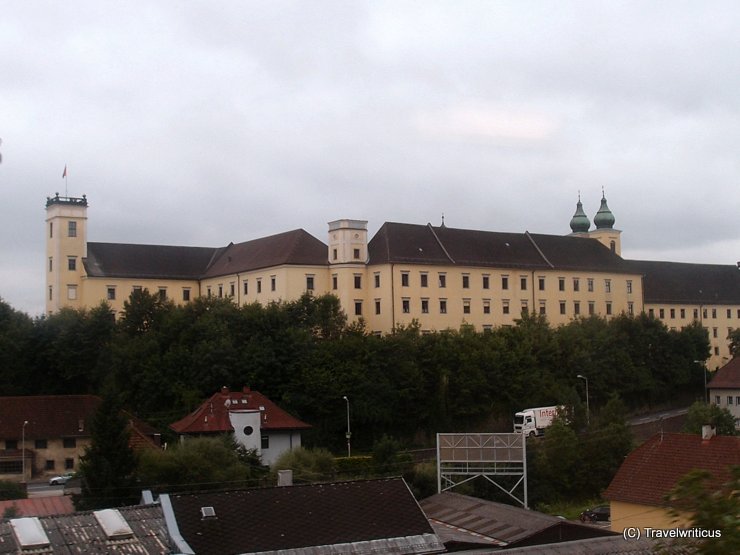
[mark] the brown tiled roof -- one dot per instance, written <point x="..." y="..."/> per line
<point x="39" y="506"/>
<point x="678" y="282"/>
<point x="291" y="247"/>
<point x="418" y="244"/>
<point x="654" y="468"/>
<point x="461" y="519"/>
<point x="213" y="415"/>
<point x="306" y="516"/>
<point x="54" y="416"/>
<point x="122" y="260"/>
<point x="727" y="377"/>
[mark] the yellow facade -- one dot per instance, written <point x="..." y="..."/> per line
<point x="632" y="515"/>
<point x="438" y="296"/>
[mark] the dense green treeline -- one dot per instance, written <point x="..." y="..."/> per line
<point x="161" y="361"/>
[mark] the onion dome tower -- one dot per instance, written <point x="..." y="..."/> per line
<point x="579" y="223"/>
<point x="605" y="232"/>
<point x="604" y="218"/>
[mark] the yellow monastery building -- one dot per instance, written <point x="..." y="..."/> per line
<point x="440" y="276"/>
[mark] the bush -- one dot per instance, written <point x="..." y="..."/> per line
<point x="11" y="490"/>
<point x="308" y="465"/>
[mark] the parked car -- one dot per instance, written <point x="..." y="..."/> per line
<point x="602" y="513"/>
<point x="60" y="480"/>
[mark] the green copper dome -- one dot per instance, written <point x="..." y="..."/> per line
<point x="579" y="222"/>
<point x="604" y="218"/>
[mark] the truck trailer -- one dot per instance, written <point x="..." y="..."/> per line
<point x="533" y="422"/>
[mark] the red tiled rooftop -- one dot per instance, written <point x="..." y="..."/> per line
<point x="727" y="377"/>
<point x="213" y="415"/>
<point x="39" y="506"/>
<point x="654" y="468"/>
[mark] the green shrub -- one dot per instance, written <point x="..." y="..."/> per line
<point x="11" y="490"/>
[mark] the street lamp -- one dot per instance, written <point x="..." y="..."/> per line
<point x="588" y="410"/>
<point x="704" y="371"/>
<point x="349" y="433"/>
<point x="23" y="448"/>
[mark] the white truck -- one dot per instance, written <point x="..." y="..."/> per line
<point x="533" y="422"/>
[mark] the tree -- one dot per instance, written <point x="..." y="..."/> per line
<point x="11" y="490"/>
<point x="734" y="338"/>
<point x="701" y="414"/>
<point x="108" y="465"/>
<point x="712" y="507"/>
<point x="308" y="465"/>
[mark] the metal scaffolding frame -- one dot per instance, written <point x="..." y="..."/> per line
<point x="464" y="457"/>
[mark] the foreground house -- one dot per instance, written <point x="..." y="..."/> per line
<point x="51" y="432"/>
<point x="637" y="492"/>
<point x="724" y="389"/>
<point x="256" y="422"/>
<point x="440" y="276"/>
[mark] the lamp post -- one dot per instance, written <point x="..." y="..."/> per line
<point x="349" y="433"/>
<point x="588" y="410"/>
<point x="704" y="371"/>
<point x="23" y="449"/>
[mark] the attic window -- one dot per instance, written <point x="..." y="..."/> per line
<point x="113" y="524"/>
<point x="207" y="512"/>
<point x="30" y="534"/>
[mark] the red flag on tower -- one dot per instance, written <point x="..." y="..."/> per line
<point x="64" y="174"/>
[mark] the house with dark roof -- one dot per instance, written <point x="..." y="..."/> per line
<point x="724" y="389"/>
<point x="254" y="420"/>
<point x="363" y="517"/>
<point x="439" y="276"/>
<point x="50" y="433"/>
<point x="637" y="492"/>
<point x="463" y="522"/>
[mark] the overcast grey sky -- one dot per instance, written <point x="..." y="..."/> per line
<point x="201" y="123"/>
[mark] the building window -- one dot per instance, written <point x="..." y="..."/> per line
<point x="466" y="306"/>
<point x="696" y="314"/>
<point x="443" y="306"/>
<point x="562" y="307"/>
<point x="49" y="465"/>
<point x="651" y="312"/>
<point x="729" y="313"/>
<point x="72" y="229"/>
<point x="505" y="307"/>
<point x="309" y="283"/>
<point x="714" y="313"/>
<point x="705" y="314"/>
<point x="591" y="308"/>
<point x="356" y="253"/>
<point x="163" y="293"/>
<point x="69" y="443"/>
<point x="543" y="308"/>
<point x="51" y="230"/>
<point x="590" y="284"/>
<point x="561" y="284"/>
<point x="631" y="308"/>
<point x="577" y="308"/>
<point x="442" y="280"/>
<point x="358" y="308"/>
<point x="424" y="280"/>
<point x="716" y="351"/>
<point x="608" y="309"/>
<point x="377" y="306"/>
<point x="72" y="292"/>
<point x="425" y="306"/>
<point x="69" y="464"/>
<point x="232" y="288"/>
<point x="259" y="285"/>
<point x="334" y="254"/>
<point x="683" y="313"/>
<point x="186" y="293"/>
<point x="111" y="293"/>
<point x="525" y="308"/>
<point x="273" y="283"/>
<point x="11" y="444"/>
<point x="376" y="279"/>
<point x="613" y="246"/>
<point x="716" y="399"/>
<point x="504" y="282"/>
<point x="334" y="282"/>
<point x="40" y="444"/>
<point x="608" y="285"/>
<point x="404" y="279"/>
<point x="358" y="281"/>
<point x="661" y="313"/>
<point x="50" y="293"/>
<point x="406" y="305"/>
<point x="576" y="284"/>
<point x="51" y="264"/>
<point x="486" y="282"/>
<point x="265" y="441"/>
<point x="72" y="263"/>
<point x="629" y="286"/>
<point x="220" y="291"/>
<point x="541" y="282"/>
<point x="672" y="312"/>
<point x="486" y="306"/>
<point x="714" y="332"/>
<point x="523" y="283"/>
<point x="729" y="400"/>
<point x="466" y="281"/>
<point x="246" y="287"/>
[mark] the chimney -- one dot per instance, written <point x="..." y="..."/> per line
<point x="707" y="432"/>
<point x="285" y="478"/>
<point x="224" y="390"/>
